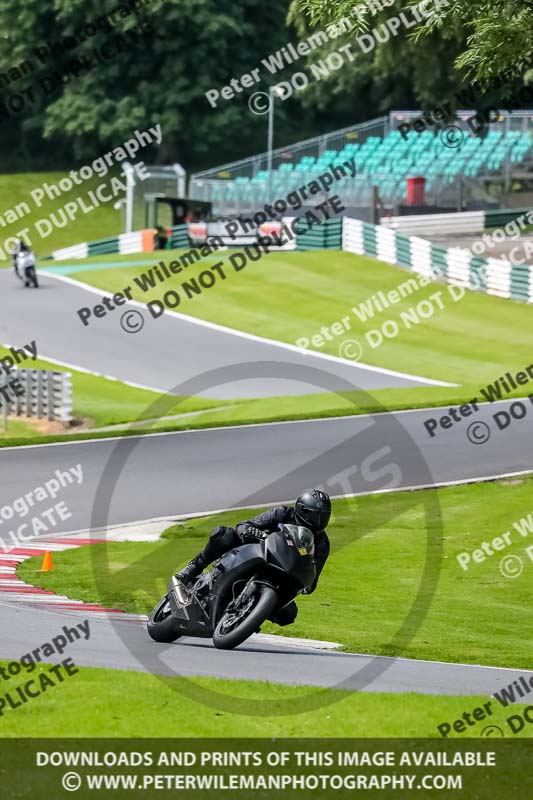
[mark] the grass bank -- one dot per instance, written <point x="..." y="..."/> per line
<point x="111" y="708"/>
<point x="392" y="586"/>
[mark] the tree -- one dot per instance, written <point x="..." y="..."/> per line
<point x="398" y="73"/>
<point x="497" y="34"/>
<point x="175" y="53"/>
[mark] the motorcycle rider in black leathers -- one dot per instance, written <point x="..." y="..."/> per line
<point x="312" y="510"/>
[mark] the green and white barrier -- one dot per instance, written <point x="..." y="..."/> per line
<point x="130" y="242"/>
<point x="179" y="237"/>
<point x="455" y="265"/>
<point x="136" y="242"/>
<point x="76" y="251"/>
<point x="326" y="236"/>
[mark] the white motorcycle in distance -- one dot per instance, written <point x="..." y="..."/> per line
<point x="24" y="263"/>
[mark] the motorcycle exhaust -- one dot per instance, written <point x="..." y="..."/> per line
<point x="176" y="592"/>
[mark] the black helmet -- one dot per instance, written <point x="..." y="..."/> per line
<point x="313" y="509"/>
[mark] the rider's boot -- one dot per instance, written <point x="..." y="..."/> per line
<point x="188" y="574"/>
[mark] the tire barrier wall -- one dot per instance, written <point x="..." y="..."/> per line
<point x="454" y="265"/>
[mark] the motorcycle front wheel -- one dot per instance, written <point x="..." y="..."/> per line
<point x="162" y="627"/>
<point x="239" y="622"/>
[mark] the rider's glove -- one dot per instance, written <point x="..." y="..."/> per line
<point x="252" y="534"/>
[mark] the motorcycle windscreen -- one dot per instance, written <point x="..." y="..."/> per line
<point x="302" y="538"/>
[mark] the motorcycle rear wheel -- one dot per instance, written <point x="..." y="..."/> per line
<point x="31" y="277"/>
<point x="161" y="626"/>
<point x="224" y="639"/>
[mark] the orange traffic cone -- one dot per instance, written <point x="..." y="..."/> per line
<point x="47" y="562"/>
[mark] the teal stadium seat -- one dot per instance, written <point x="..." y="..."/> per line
<point x="386" y="162"/>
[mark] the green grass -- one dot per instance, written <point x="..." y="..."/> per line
<point x="103" y="221"/>
<point x="373" y="578"/>
<point x="16" y="431"/>
<point x="287" y="296"/>
<point x="232" y="412"/>
<point x="111" y="708"/>
<point x="99" y="401"/>
<point x="453" y="345"/>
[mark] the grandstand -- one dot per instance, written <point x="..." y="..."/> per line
<point x="455" y="175"/>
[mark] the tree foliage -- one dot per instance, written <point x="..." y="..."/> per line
<point x="496" y="34"/>
<point x="189" y="48"/>
<point x="397" y="74"/>
<point x="499" y="36"/>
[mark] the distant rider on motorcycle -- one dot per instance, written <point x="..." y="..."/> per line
<point x="23" y="259"/>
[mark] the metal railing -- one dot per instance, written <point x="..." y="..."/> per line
<point x="41" y="394"/>
<point x="248" y="167"/>
<point x="230" y="195"/>
<point x="515" y="121"/>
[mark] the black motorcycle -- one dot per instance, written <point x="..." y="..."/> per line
<point x="245" y="587"/>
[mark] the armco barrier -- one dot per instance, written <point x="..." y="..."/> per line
<point x="498" y="219"/>
<point x="455" y="265"/>
<point x="46" y="394"/>
<point x="430" y="224"/>
<point x="462" y="222"/>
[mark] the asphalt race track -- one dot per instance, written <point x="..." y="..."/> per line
<point x="124" y="644"/>
<point x="196" y="472"/>
<point x="166" y="352"/>
<point x="174" y="474"/>
<point x="191" y="472"/>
